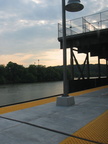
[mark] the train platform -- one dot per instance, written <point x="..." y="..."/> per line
<point x="42" y="122"/>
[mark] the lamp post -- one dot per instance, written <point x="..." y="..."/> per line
<point x="65" y="88"/>
<point x="72" y="6"/>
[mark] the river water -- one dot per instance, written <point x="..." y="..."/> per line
<point x="15" y="93"/>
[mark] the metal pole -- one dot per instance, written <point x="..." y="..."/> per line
<point x="88" y="67"/>
<point x="99" y="67"/>
<point x="107" y="68"/>
<point x="64" y="50"/>
<point x="72" y="63"/>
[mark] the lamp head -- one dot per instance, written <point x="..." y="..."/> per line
<point x="74" y="6"/>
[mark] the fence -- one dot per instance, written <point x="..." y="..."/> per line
<point x="85" y="24"/>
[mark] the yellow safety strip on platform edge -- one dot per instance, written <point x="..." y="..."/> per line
<point x="87" y="91"/>
<point x="44" y="101"/>
<point x="96" y="130"/>
<point x="25" y="105"/>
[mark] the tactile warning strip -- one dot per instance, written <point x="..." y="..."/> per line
<point x="97" y="131"/>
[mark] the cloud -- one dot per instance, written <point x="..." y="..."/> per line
<point x="94" y="6"/>
<point x="29" y="27"/>
<point x="51" y="57"/>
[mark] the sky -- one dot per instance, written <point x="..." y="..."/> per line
<point x="29" y="32"/>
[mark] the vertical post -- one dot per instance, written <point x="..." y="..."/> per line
<point x="83" y="25"/>
<point x="88" y="68"/>
<point x="38" y="62"/>
<point x="100" y="21"/>
<point x="99" y="67"/>
<point x="64" y="50"/>
<point x="107" y="68"/>
<point x="72" y="63"/>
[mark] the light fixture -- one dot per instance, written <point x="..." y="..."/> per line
<point x="74" y="6"/>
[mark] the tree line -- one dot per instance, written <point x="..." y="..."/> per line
<point x="14" y="73"/>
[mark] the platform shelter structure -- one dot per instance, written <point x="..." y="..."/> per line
<point x="88" y="35"/>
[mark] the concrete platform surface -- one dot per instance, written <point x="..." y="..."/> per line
<point x="51" y="117"/>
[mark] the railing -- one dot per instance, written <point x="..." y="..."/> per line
<point x="85" y="24"/>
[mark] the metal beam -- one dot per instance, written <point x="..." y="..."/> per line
<point x="78" y="66"/>
<point x="72" y="63"/>
<point x="99" y="67"/>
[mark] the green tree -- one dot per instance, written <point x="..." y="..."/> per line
<point x="32" y="72"/>
<point x="41" y="71"/>
<point x="52" y="74"/>
<point x="15" y="72"/>
<point x="2" y="74"/>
